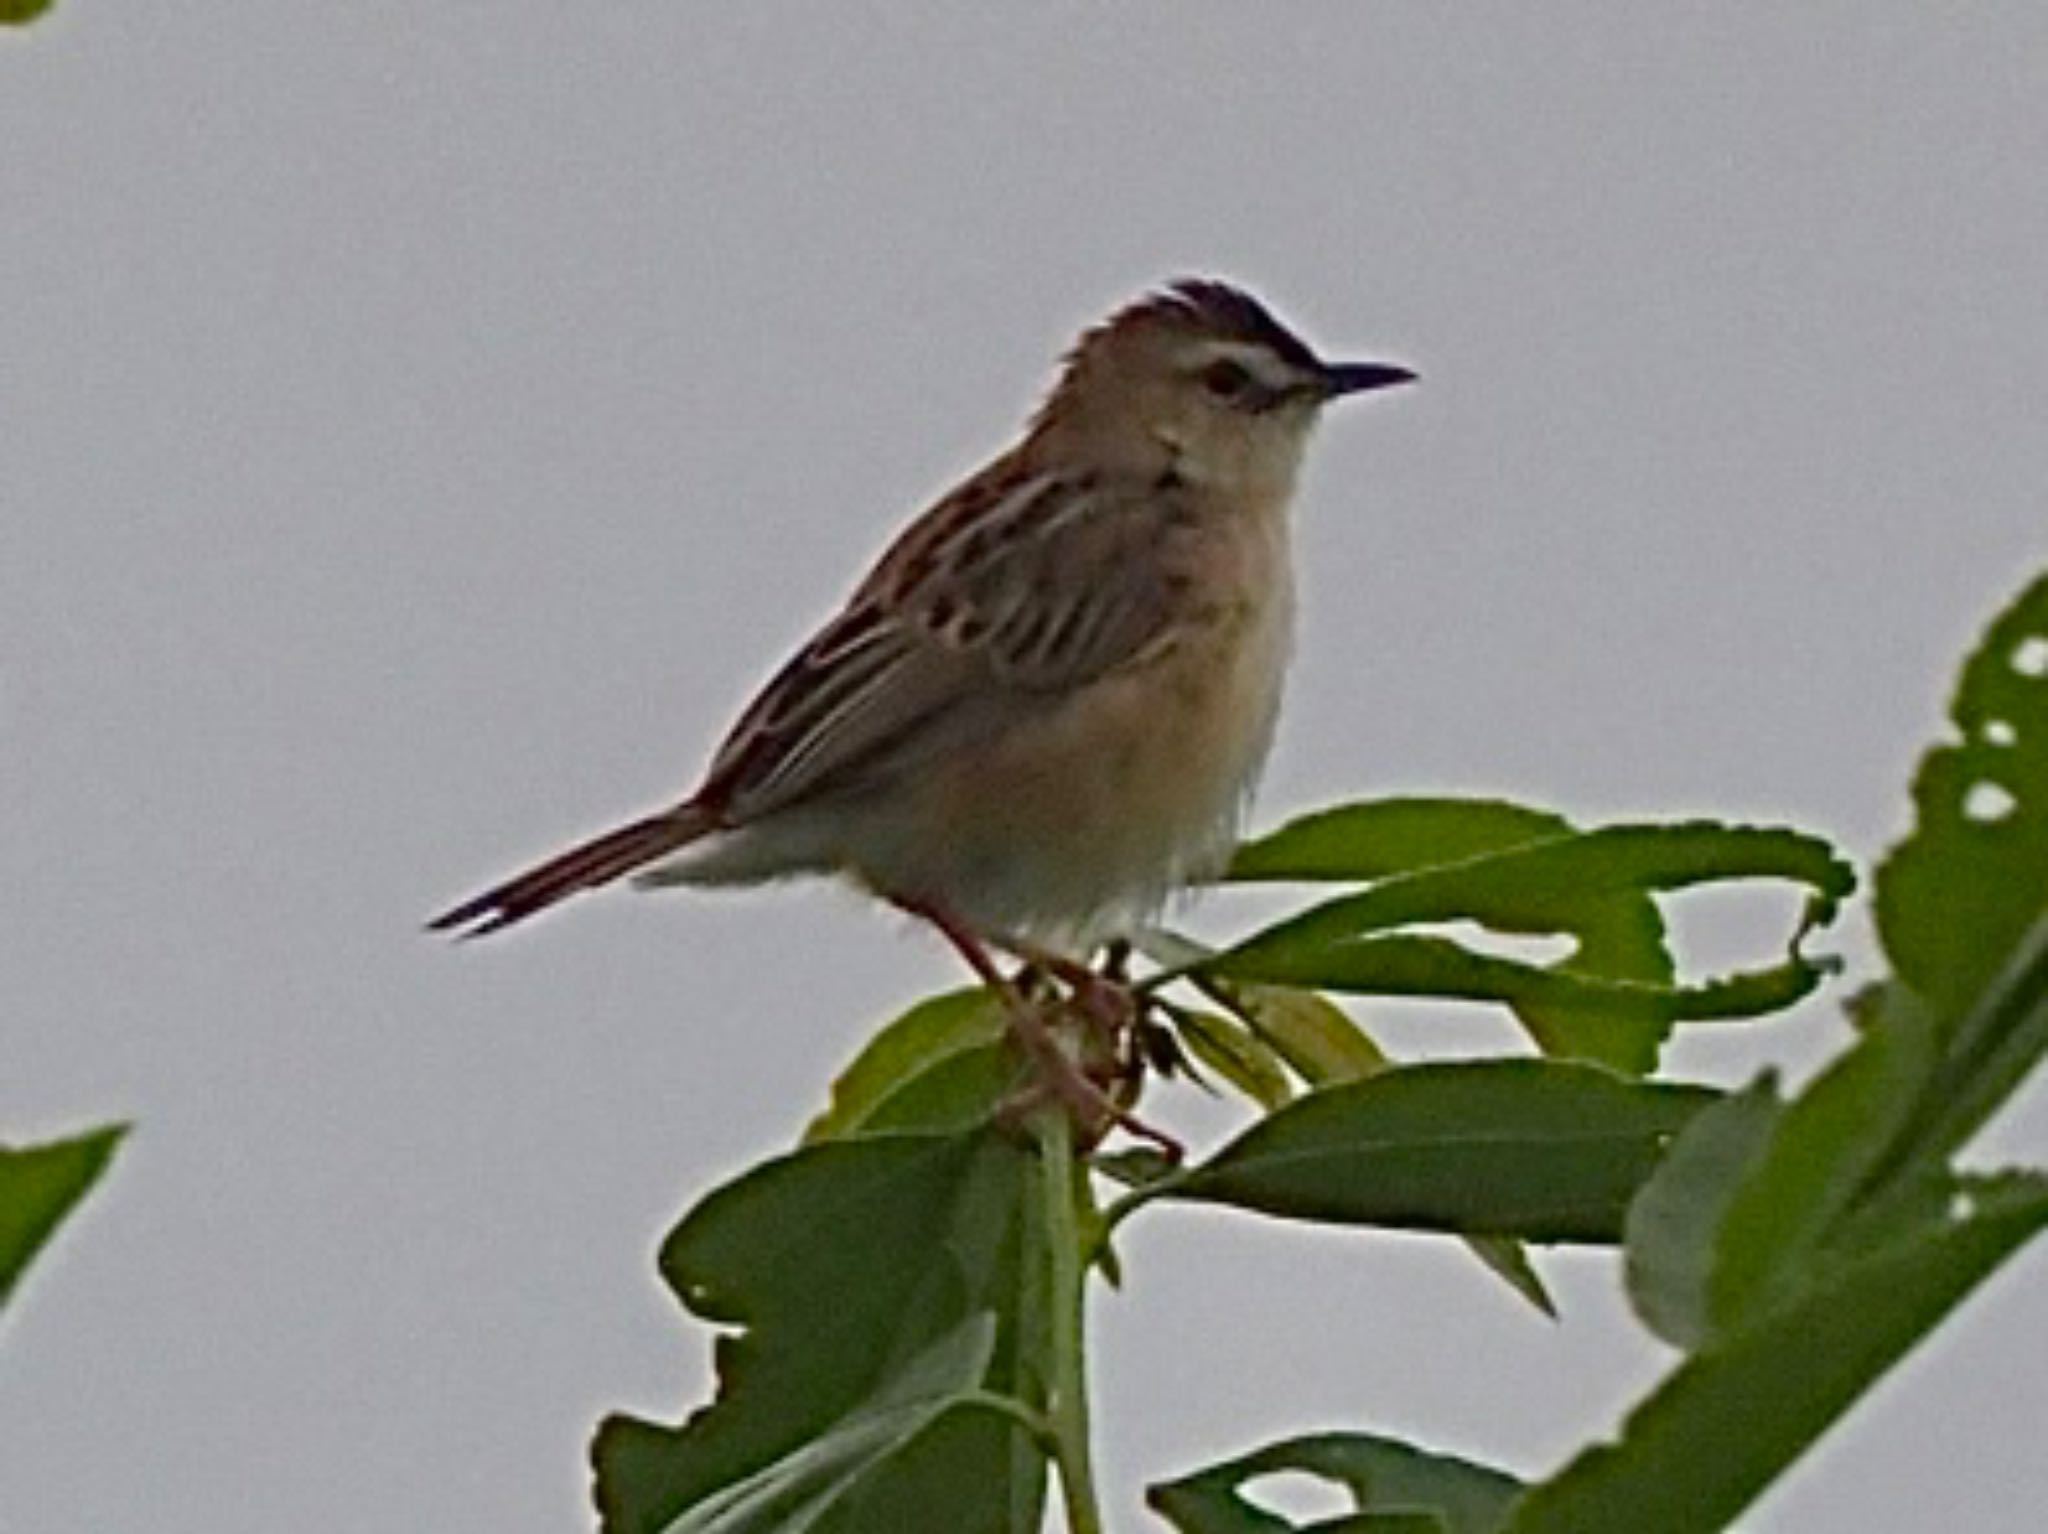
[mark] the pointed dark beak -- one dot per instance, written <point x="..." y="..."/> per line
<point x="1340" y="378"/>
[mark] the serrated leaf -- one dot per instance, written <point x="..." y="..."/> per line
<point x="1537" y="1149"/>
<point x="931" y="1036"/>
<point x="907" y="1236"/>
<point x="1732" y="1416"/>
<point x="39" y="1186"/>
<point x="1387" y="1478"/>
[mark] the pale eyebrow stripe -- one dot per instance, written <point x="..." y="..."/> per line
<point x="1269" y="371"/>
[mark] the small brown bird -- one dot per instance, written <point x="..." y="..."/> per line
<point x="1044" y="709"/>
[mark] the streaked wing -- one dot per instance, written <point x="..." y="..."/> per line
<point x="1026" y="582"/>
<point x="821" y="724"/>
<point x="1083" y="587"/>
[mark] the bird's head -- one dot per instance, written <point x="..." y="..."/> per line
<point x="1200" y="376"/>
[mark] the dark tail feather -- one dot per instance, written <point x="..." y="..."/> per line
<point x="597" y="861"/>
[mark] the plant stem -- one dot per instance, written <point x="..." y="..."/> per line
<point x="1010" y="1407"/>
<point x="1066" y="1280"/>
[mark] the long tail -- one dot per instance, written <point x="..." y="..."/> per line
<point x="585" y="866"/>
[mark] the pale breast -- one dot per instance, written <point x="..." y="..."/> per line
<point x="1094" y="810"/>
<point x="1228" y="683"/>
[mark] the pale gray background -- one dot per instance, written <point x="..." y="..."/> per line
<point x="425" y="423"/>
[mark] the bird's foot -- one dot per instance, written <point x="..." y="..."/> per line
<point x="1094" y="1077"/>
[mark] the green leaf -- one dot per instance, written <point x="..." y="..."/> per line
<point x="1620" y="938"/>
<point x="1821" y="1156"/>
<point x="932" y="1037"/>
<point x="39" y="1186"/>
<point x="17" y="13"/>
<point x="1536" y="886"/>
<point x="1735" y="1414"/>
<point x="958" y="1093"/>
<point x="1538" y="1149"/>
<point x="1962" y="903"/>
<point x="1230" y="1049"/>
<point x="1323" y="1045"/>
<point x="1675" y="1222"/>
<point x="1994" y="1047"/>
<point x="1431" y="966"/>
<point x="833" y="1472"/>
<point x="1320" y="1042"/>
<point x="1594" y="886"/>
<point x="1620" y="935"/>
<point x="1386" y="1477"/>
<point x="1508" y="1260"/>
<point x="1956" y="897"/>
<point x="1370" y="840"/>
<point x="1135" y="1166"/>
<point x="842" y="1262"/>
<point x="1741" y="1212"/>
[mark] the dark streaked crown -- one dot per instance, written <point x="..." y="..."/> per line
<point x="1227" y="312"/>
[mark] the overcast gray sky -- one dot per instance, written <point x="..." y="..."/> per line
<point x="424" y="425"/>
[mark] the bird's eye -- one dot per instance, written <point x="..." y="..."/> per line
<point x="1225" y="379"/>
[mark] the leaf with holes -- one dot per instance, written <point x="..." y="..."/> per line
<point x="1962" y="903"/>
<point x="1955" y="898"/>
<point x="1386" y="1478"/>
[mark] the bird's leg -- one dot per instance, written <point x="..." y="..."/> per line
<point x="1117" y="1009"/>
<point x="1093" y="1107"/>
<point x="1151" y="1044"/>
<point x="1105" y="1000"/>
